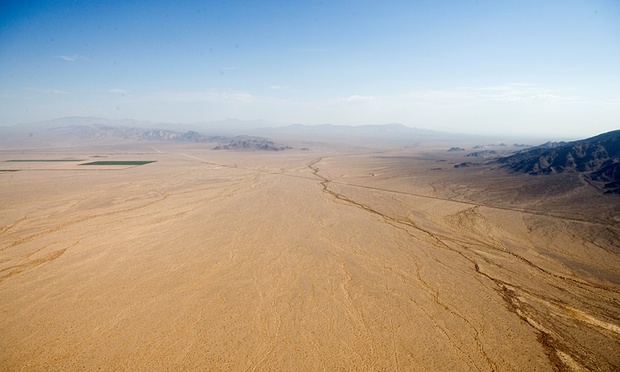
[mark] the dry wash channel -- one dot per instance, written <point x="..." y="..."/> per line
<point x="290" y="263"/>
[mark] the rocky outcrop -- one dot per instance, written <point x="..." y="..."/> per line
<point x="598" y="158"/>
<point x="251" y="143"/>
<point x="482" y="154"/>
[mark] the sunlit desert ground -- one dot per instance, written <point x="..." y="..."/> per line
<point x="327" y="259"/>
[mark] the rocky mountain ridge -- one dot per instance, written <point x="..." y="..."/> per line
<point x="597" y="158"/>
<point x="102" y="131"/>
<point x="251" y="143"/>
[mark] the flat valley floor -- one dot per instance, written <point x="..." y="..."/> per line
<point x="302" y="260"/>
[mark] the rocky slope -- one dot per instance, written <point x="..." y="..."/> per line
<point x="597" y="158"/>
<point x="250" y="143"/>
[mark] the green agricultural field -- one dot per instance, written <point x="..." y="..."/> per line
<point x="120" y="162"/>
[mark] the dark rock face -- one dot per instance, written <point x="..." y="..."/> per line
<point x="455" y="149"/>
<point x="482" y="154"/>
<point x="465" y="165"/>
<point x="597" y="157"/>
<point x="251" y="143"/>
<point x="610" y="176"/>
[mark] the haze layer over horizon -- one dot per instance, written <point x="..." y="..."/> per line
<point x="484" y="67"/>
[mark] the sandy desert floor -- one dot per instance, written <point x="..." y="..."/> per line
<point x="302" y="260"/>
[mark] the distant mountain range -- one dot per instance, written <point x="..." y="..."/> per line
<point x="97" y="131"/>
<point x="225" y="133"/>
<point x="221" y="127"/>
<point x="251" y="143"/>
<point x="395" y="133"/>
<point x="597" y="158"/>
<point x="100" y="131"/>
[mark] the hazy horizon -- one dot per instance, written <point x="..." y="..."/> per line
<point x="233" y="126"/>
<point x="480" y="68"/>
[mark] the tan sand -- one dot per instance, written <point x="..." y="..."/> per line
<point x="304" y="260"/>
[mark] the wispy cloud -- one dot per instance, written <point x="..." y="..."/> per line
<point x="439" y="96"/>
<point x="503" y="87"/>
<point x="520" y="92"/>
<point x="278" y="87"/>
<point x="72" y="58"/>
<point x="357" y="99"/>
<point x="514" y="92"/>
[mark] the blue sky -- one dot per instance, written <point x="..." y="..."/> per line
<point x="515" y="67"/>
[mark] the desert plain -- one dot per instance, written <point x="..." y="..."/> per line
<point x="330" y="258"/>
